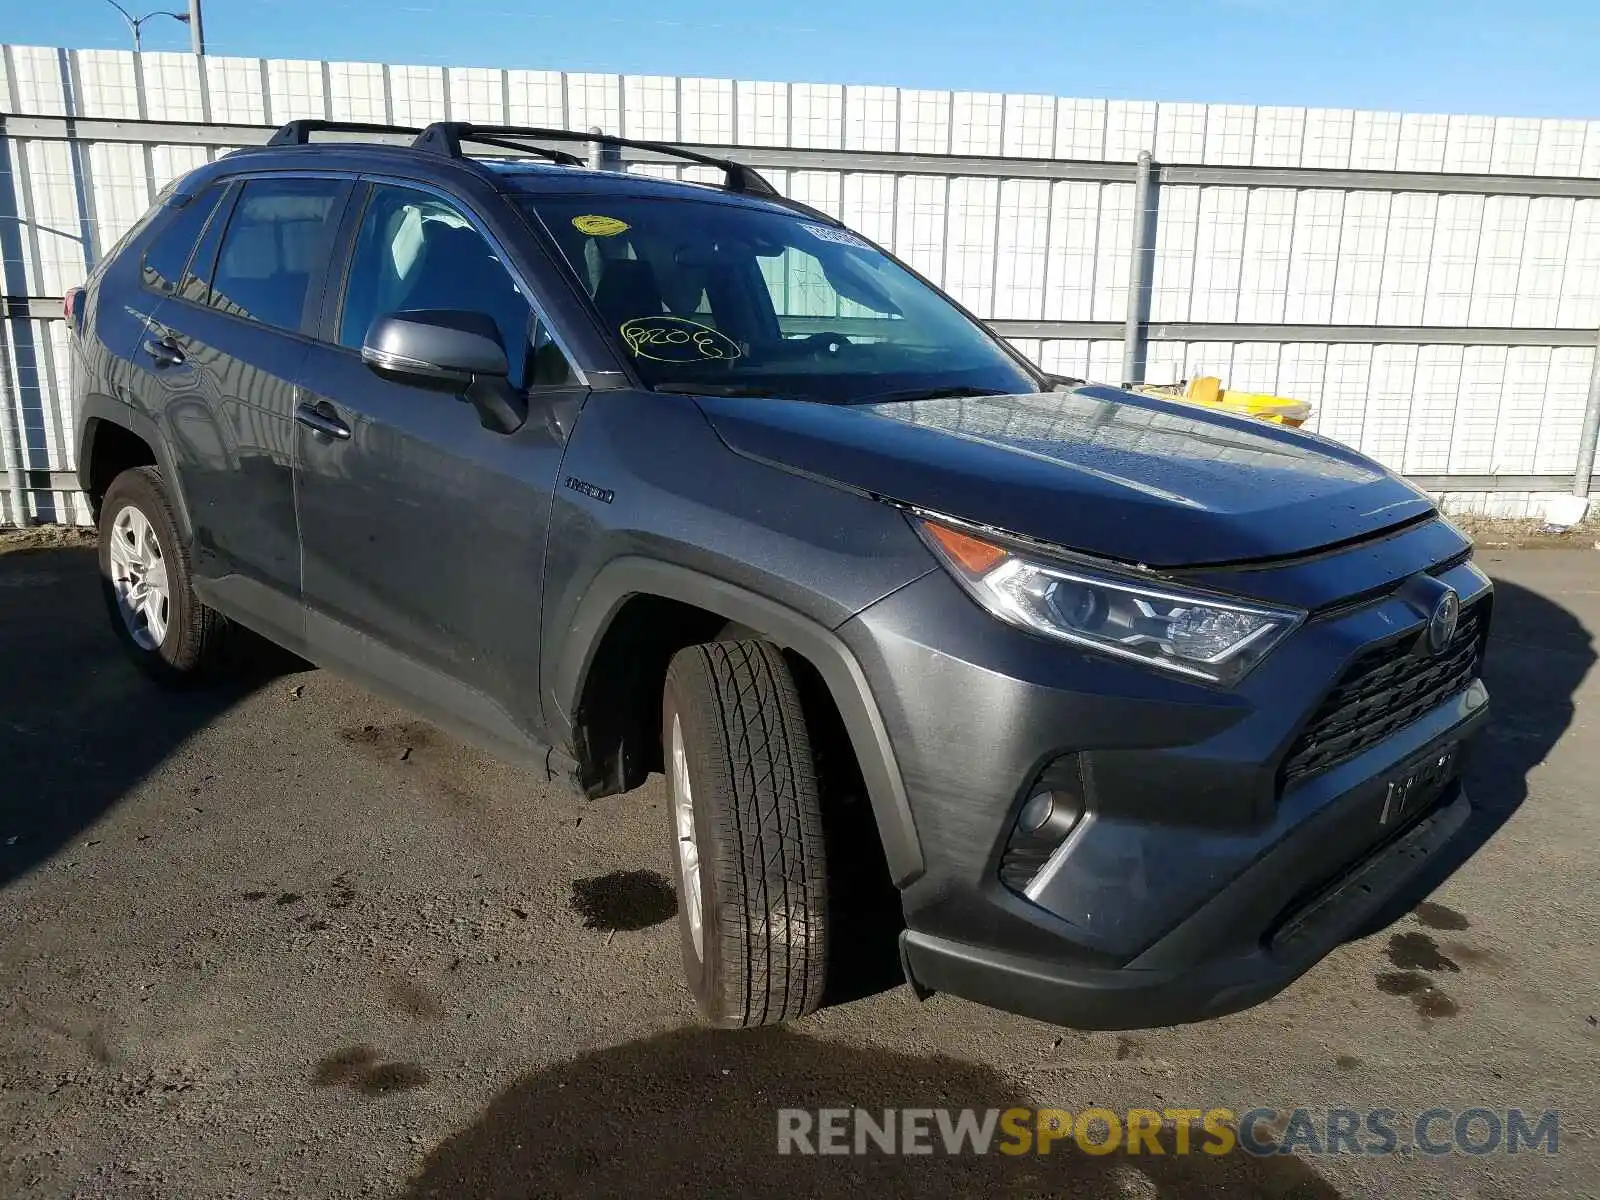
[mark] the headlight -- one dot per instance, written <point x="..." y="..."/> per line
<point x="1190" y="633"/>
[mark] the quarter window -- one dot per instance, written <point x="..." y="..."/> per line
<point x="168" y="252"/>
<point x="269" y="254"/>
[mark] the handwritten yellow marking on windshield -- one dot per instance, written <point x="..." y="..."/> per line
<point x="596" y="225"/>
<point x="676" y="340"/>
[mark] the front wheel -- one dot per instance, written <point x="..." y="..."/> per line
<point x="144" y="573"/>
<point x="747" y="834"/>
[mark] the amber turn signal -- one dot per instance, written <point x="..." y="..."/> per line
<point x="973" y="555"/>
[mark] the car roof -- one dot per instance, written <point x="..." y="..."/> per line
<point x="547" y="179"/>
<point x="512" y="176"/>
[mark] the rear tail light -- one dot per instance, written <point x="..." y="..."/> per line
<point x="72" y="308"/>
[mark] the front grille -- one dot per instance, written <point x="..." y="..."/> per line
<point x="1384" y="691"/>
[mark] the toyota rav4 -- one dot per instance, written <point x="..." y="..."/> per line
<point x="611" y="473"/>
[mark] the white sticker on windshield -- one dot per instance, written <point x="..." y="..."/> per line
<point x="830" y="233"/>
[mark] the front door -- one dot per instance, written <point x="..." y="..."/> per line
<point x="423" y="533"/>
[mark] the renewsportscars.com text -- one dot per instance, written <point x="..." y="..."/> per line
<point x="1178" y="1131"/>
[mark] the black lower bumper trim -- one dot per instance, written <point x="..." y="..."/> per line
<point x="1132" y="998"/>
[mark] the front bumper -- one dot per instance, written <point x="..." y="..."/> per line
<point x="1143" y="994"/>
<point x="1198" y="882"/>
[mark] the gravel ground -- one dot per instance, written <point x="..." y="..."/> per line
<point x="281" y="939"/>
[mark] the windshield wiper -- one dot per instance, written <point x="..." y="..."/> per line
<point x="932" y="393"/>
<point x="713" y="389"/>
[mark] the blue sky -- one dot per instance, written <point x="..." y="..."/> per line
<point x="1514" y="57"/>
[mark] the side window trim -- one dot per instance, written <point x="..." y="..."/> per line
<point x="221" y="214"/>
<point x="311" y="309"/>
<point x="341" y="259"/>
<point x="541" y="317"/>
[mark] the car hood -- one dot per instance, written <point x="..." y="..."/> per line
<point x="1094" y="469"/>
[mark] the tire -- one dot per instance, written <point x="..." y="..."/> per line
<point x="733" y="729"/>
<point x="176" y="642"/>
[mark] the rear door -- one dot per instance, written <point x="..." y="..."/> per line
<point x="227" y="347"/>
<point x="128" y="288"/>
<point x="128" y="292"/>
<point x="423" y="532"/>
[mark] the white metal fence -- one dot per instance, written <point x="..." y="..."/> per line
<point x="1430" y="283"/>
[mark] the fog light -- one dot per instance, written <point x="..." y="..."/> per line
<point x="1049" y="816"/>
<point x="1043" y="822"/>
<point x="1036" y="812"/>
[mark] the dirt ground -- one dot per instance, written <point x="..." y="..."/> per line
<point x="281" y="939"/>
<point x="44" y="537"/>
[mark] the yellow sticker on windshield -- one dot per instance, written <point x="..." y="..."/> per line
<point x="597" y="226"/>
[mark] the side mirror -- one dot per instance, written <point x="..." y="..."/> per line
<point x="438" y="348"/>
<point x="448" y="350"/>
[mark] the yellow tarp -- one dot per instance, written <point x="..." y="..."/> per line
<point x="1208" y="389"/>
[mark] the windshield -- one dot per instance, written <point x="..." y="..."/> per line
<point x="718" y="297"/>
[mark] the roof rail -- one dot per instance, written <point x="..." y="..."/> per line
<point x="445" y="137"/>
<point x="482" y="138"/>
<point x="298" y="133"/>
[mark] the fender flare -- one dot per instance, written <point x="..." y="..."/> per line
<point x="628" y="576"/>
<point x="95" y="408"/>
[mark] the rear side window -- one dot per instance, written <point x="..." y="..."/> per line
<point x="168" y="252"/>
<point x="269" y="252"/>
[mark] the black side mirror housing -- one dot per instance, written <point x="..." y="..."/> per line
<point x="440" y="349"/>
<point x="448" y="350"/>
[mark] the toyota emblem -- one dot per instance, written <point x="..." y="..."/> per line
<point x="1442" y="624"/>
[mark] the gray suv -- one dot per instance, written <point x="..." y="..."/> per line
<point x="1146" y="707"/>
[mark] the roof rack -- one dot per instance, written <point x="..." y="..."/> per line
<point x="298" y="133"/>
<point x="445" y="137"/>
<point x="504" y="143"/>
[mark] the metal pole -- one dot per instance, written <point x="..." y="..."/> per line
<point x="197" y="29"/>
<point x="1133" y="332"/>
<point x="1591" y="428"/>
<point x="11" y="433"/>
<point x="136" y="43"/>
<point x="602" y="155"/>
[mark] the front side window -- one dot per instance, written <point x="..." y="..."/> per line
<point x="703" y="293"/>
<point x="269" y="252"/>
<point x="416" y="251"/>
<point x="168" y="252"/>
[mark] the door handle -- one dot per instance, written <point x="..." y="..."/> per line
<point x="321" y="418"/>
<point x="164" y="351"/>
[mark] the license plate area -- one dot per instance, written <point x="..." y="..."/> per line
<point x="1326" y="916"/>
<point x="1417" y="785"/>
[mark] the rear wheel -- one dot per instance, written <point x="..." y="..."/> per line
<point x="747" y="834"/>
<point x="145" y="574"/>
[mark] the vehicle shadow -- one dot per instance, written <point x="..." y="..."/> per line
<point x="1539" y="654"/>
<point x="79" y="724"/>
<point x="694" y="1112"/>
